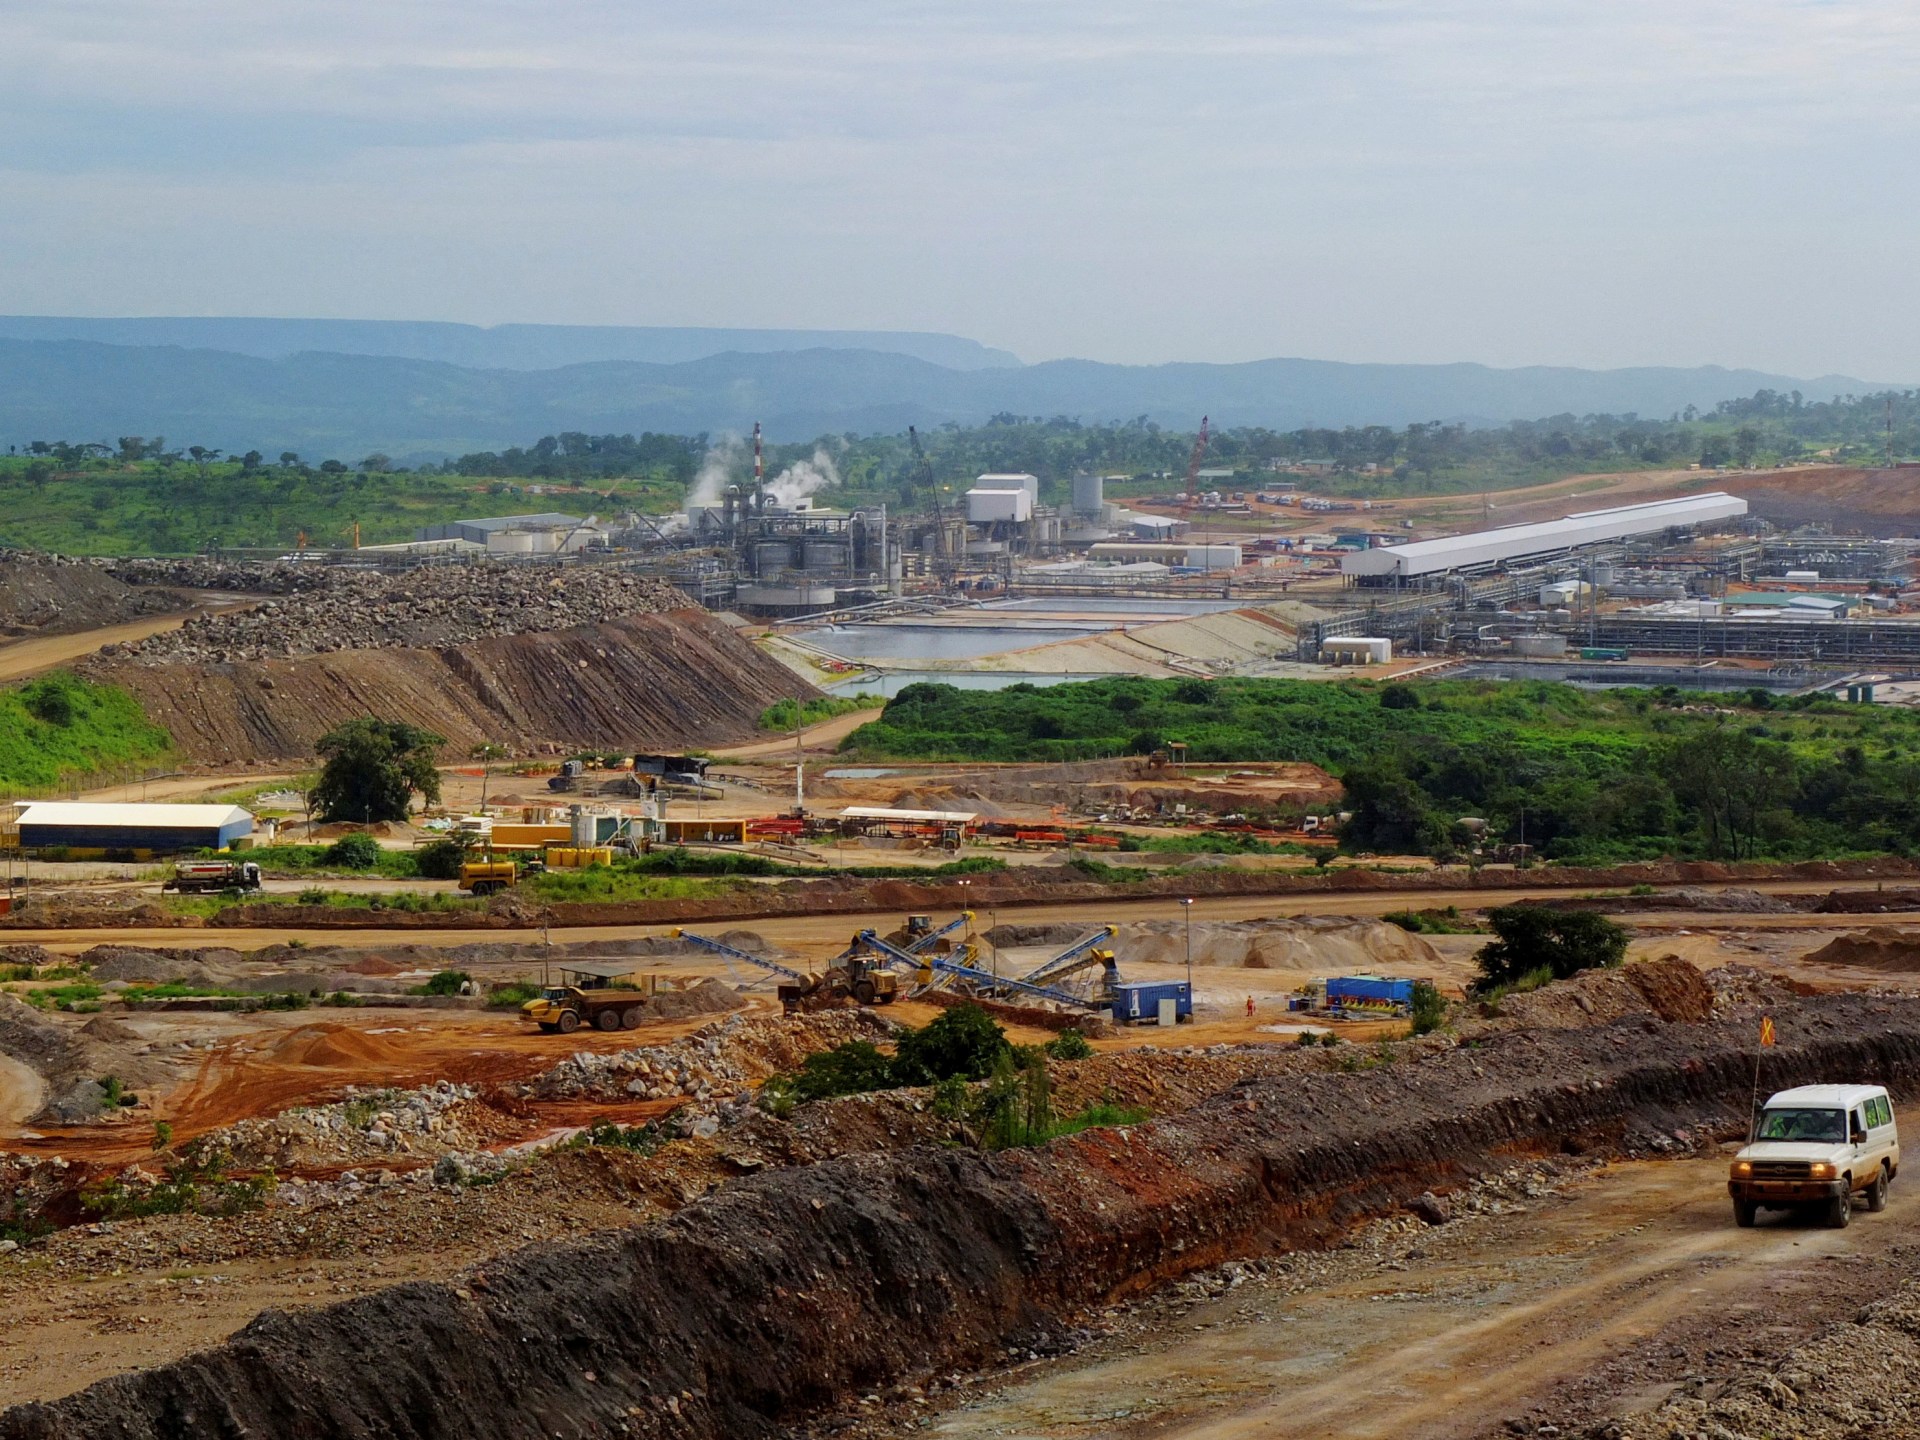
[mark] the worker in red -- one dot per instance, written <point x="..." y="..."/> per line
<point x="1249" y="1007"/>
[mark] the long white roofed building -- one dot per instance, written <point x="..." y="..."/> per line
<point x="1480" y="550"/>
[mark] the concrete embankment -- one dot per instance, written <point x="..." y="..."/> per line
<point x="783" y="1295"/>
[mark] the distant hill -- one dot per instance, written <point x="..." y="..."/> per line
<point x="347" y="405"/>
<point x="493" y="347"/>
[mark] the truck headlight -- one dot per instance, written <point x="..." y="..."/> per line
<point x="1742" y="1169"/>
<point x="1821" y="1170"/>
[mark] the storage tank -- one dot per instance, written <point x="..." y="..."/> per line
<point x="825" y="555"/>
<point x="1540" y="646"/>
<point x="1089" y="494"/>
<point x="770" y="557"/>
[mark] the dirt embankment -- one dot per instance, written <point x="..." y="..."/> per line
<point x="1053" y="885"/>
<point x="50" y="595"/>
<point x="781" y="1295"/>
<point x="668" y="680"/>
<point x="1872" y="501"/>
<point x="1895" y="953"/>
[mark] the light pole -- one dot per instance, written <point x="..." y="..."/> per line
<point x="1187" y="905"/>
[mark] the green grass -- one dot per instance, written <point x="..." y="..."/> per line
<point x="109" y="508"/>
<point x="789" y="714"/>
<point x="678" y="874"/>
<point x="59" y="726"/>
<point x="299" y="860"/>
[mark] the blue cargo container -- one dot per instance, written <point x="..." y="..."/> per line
<point x="1140" y="1000"/>
<point x="1369" y="990"/>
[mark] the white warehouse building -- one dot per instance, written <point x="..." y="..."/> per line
<point x="1485" y="549"/>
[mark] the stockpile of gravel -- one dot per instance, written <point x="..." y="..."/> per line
<point x="430" y="608"/>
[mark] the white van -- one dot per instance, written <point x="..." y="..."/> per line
<point x="1818" y="1146"/>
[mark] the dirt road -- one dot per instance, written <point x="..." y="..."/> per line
<point x="827" y="933"/>
<point x="824" y="736"/>
<point x="1465" y="1326"/>
<point x="23" y="658"/>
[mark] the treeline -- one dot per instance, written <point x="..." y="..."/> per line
<point x="573" y="455"/>
<point x="1592" y="776"/>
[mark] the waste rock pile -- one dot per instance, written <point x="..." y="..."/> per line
<point x="368" y="1125"/>
<point x="715" y="1061"/>
<point x="431" y="608"/>
<point x="56" y="595"/>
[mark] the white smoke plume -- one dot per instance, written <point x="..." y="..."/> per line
<point x="719" y="469"/>
<point x="803" y="478"/>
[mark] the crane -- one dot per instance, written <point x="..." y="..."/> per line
<point x="923" y="475"/>
<point x="1193" y="461"/>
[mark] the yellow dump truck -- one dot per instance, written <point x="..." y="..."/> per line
<point x="488" y="877"/>
<point x="607" y="997"/>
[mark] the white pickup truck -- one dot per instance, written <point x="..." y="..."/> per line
<point x="1816" y="1147"/>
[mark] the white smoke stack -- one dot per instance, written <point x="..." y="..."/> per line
<point x="803" y="478"/>
<point x="724" y="456"/>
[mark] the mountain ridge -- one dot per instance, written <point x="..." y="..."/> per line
<point x="322" y="403"/>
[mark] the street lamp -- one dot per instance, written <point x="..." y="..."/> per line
<point x="1187" y="905"/>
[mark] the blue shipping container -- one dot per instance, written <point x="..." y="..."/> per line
<point x="1370" y="989"/>
<point x="1140" y="1000"/>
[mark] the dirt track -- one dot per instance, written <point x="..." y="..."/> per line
<point x="1489" y="1319"/>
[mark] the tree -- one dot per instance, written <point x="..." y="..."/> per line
<point x="1563" y="942"/>
<point x="289" y="458"/>
<point x="1733" y="783"/>
<point x="962" y="1041"/>
<point x="371" y="768"/>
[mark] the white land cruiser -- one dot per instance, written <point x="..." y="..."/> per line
<point x="1818" y="1146"/>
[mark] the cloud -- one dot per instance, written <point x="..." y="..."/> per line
<point x="1489" y="179"/>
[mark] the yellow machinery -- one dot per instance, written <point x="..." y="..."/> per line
<point x="606" y="997"/>
<point x="488" y="877"/>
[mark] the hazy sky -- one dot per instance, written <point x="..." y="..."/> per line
<point x="1509" y="181"/>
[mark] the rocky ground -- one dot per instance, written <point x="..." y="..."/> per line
<point x="432" y="607"/>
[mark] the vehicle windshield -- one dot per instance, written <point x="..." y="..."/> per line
<point x="1829" y="1126"/>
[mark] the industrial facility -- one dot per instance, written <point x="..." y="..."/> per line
<point x="94" y="829"/>
<point x="1482" y="551"/>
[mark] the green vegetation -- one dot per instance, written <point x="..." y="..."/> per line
<point x="1433" y="922"/>
<point x="1069" y="1045"/>
<point x="60" y="725"/>
<point x="196" y="1183"/>
<point x="142" y="496"/>
<point x="794" y="714"/>
<point x="371" y="770"/>
<point x="1429" y="1008"/>
<point x="443" y="982"/>
<point x="959" y="1049"/>
<point x="294" y="860"/>
<point x="1533" y="938"/>
<point x="512" y="995"/>
<point x="653" y="877"/>
<point x="1596" y="776"/>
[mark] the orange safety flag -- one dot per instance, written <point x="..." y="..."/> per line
<point x="1766" y="1030"/>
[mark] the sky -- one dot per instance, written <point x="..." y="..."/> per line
<point x="1505" y="181"/>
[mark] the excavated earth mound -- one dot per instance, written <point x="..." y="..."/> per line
<point x="783" y="1294"/>
<point x="1323" y="945"/>
<point x="666" y="680"/>
<point x="1893" y="953"/>
<point x="49" y="595"/>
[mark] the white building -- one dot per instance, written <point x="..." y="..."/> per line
<point x="1485" y="549"/>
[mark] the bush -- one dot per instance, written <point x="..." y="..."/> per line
<point x="440" y="859"/>
<point x="1069" y="1045"/>
<point x="444" y="982"/>
<point x="512" y="995"/>
<point x="353" y="852"/>
<point x="963" y="1041"/>
<point x="1562" y="943"/>
<point x="850" y="1069"/>
<point x="1429" y="1008"/>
